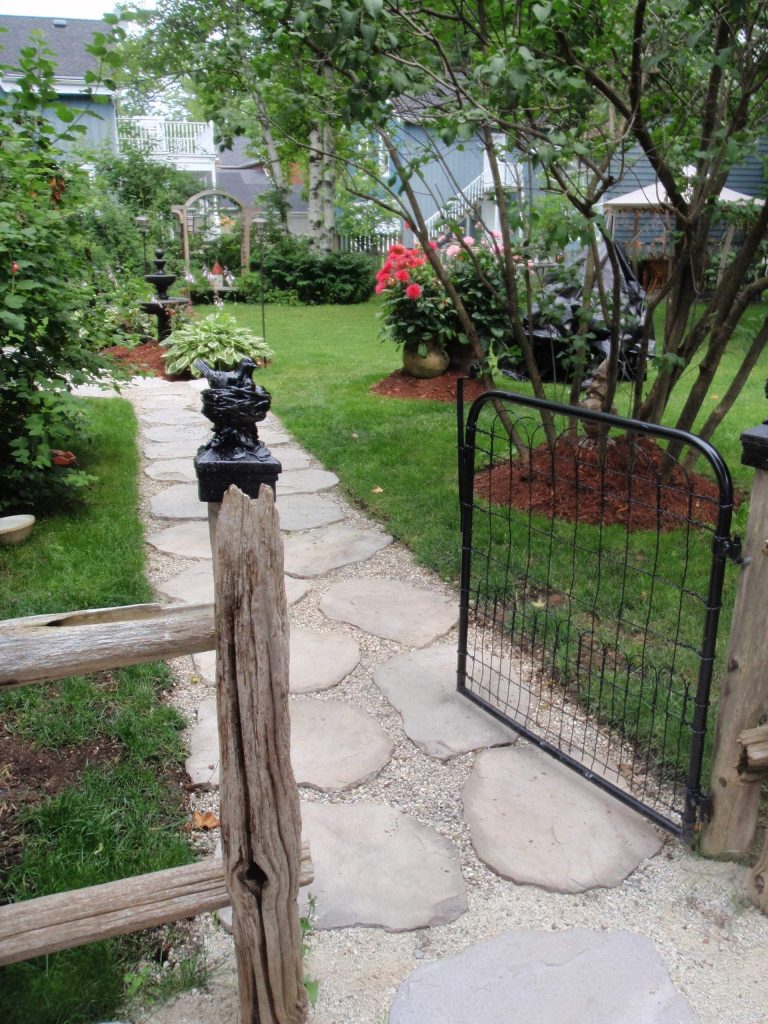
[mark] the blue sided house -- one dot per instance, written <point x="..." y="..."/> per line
<point x="66" y="38"/>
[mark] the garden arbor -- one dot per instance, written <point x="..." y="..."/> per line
<point x="210" y="211"/>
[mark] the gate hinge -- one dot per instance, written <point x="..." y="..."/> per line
<point x="703" y="804"/>
<point x="730" y="547"/>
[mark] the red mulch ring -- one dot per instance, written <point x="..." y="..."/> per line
<point x="149" y="357"/>
<point x="627" y="492"/>
<point x="435" y="389"/>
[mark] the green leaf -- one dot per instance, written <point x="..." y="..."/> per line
<point x="374" y="7"/>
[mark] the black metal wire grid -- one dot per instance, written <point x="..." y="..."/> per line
<point x="591" y="591"/>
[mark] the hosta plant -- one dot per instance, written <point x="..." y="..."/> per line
<point x="217" y="339"/>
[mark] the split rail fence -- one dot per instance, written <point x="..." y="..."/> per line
<point x="264" y="859"/>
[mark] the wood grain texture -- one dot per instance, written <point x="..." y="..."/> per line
<point x="755" y="744"/>
<point x="44" y="925"/>
<point x="743" y="694"/>
<point x="40" y="648"/>
<point x="260" y="816"/>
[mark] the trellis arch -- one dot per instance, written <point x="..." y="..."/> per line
<point x="247" y="216"/>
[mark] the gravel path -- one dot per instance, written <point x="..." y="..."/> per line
<point x="695" y="911"/>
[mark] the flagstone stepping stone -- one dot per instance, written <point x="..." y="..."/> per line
<point x="306" y="512"/>
<point x="336" y="746"/>
<point x="442" y="723"/>
<point x="202" y="765"/>
<point x="178" y="502"/>
<point x="292" y="458"/>
<point x="318" y="660"/>
<point x="271" y="436"/>
<point x="574" y="976"/>
<point x="178" y="470"/>
<point x="193" y="586"/>
<point x="197" y="433"/>
<point x="536" y="822"/>
<point x="393" y="610"/>
<point x="184" y="447"/>
<point x="198" y="384"/>
<point x="306" y="481"/>
<point x="189" y="540"/>
<point x="377" y="867"/>
<point x="333" y="746"/>
<point x="317" y="552"/>
<point x="182" y="417"/>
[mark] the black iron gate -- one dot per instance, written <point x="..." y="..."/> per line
<point x="593" y="560"/>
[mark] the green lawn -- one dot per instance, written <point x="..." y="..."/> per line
<point x="326" y="360"/>
<point x="121" y="815"/>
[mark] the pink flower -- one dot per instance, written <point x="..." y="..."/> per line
<point x="496" y="234"/>
<point x="402" y="275"/>
<point x="433" y="245"/>
<point x="452" y="250"/>
<point x="468" y="240"/>
<point x="380" y="287"/>
<point x="413" y="291"/>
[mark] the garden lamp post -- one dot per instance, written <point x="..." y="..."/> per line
<point x="142" y="223"/>
<point x="261" y="223"/>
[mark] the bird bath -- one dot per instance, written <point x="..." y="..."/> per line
<point x="163" y="307"/>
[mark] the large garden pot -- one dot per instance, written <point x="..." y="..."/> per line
<point x="460" y="357"/>
<point x="432" y="364"/>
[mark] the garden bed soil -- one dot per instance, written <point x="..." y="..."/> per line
<point x="148" y="357"/>
<point x="32" y="774"/>
<point x="627" y="492"/>
<point x="434" y="389"/>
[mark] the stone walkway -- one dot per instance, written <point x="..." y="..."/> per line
<point x="373" y="682"/>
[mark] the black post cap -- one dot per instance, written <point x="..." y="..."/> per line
<point x="754" y="447"/>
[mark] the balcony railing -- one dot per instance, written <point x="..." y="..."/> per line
<point x="167" y="138"/>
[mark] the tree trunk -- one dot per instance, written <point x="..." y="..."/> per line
<point x="327" y="241"/>
<point x="260" y="816"/>
<point x="314" y="197"/>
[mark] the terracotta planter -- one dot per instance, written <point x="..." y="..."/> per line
<point x="432" y="364"/>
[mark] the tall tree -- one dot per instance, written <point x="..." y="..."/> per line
<point x="575" y="87"/>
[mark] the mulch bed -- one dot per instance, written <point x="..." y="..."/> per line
<point x="436" y="389"/>
<point x="627" y="492"/>
<point x="149" y="357"/>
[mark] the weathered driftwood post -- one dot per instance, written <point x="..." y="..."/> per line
<point x="260" y="817"/>
<point x="736" y="784"/>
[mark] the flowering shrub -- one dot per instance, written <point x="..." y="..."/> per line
<point x="416" y="311"/>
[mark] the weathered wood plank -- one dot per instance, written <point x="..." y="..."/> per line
<point x="743" y="694"/>
<point x="260" y="817"/>
<point x="41" y="926"/>
<point x="46" y="647"/>
<point x="755" y="744"/>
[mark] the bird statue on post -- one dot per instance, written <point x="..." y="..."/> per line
<point x="237" y="378"/>
<point x="594" y="400"/>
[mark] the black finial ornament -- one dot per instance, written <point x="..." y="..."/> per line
<point x="234" y="455"/>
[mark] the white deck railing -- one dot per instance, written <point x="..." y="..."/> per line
<point x="167" y="138"/>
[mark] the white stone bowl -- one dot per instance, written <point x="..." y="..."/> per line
<point x="14" y="529"/>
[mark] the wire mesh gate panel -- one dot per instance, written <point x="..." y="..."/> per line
<point x="593" y="559"/>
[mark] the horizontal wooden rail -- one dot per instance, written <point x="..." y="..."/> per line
<point x="40" y="648"/>
<point x="67" y="919"/>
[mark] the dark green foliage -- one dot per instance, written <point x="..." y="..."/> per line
<point x="46" y="290"/>
<point x="318" y="279"/>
